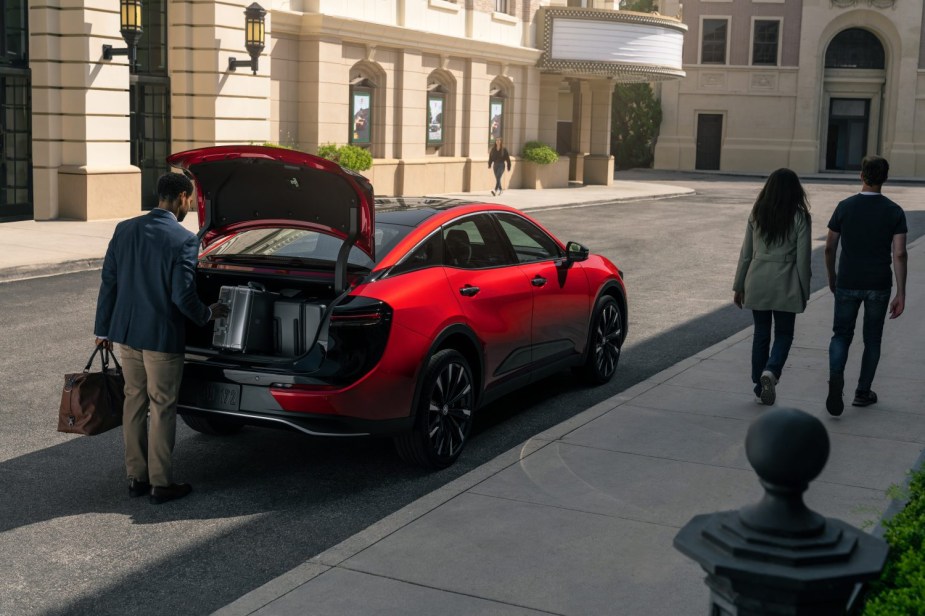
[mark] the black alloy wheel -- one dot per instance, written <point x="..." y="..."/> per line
<point x="444" y="413"/>
<point x="605" y="342"/>
<point x="212" y="426"/>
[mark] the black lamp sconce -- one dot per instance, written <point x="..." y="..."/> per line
<point x="130" y="27"/>
<point x="254" y="38"/>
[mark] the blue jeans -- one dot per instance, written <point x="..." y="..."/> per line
<point x="765" y="356"/>
<point x="498" y="168"/>
<point x="847" y="304"/>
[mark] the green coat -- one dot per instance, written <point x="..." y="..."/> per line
<point x="776" y="277"/>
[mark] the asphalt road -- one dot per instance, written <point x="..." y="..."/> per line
<point x="72" y="542"/>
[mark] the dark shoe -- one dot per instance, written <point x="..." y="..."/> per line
<point x="864" y="398"/>
<point x="768" y="393"/>
<point x="834" y="404"/>
<point x="138" y="488"/>
<point x="174" y="491"/>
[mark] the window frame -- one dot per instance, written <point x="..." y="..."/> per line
<point x="503" y="244"/>
<point x="754" y="41"/>
<point x="703" y="20"/>
<point x="499" y="219"/>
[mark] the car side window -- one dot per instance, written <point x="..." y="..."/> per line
<point x="473" y="243"/>
<point x="428" y="254"/>
<point x="530" y="243"/>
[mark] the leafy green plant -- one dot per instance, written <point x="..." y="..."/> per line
<point x="901" y="587"/>
<point x="641" y="6"/>
<point x="348" y="156"/>
<point x="539" y="153"/>
<point x="271" y="144"/>
<point x="636" y="116"/>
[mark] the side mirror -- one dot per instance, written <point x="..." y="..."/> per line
<point x="576" y="252"/>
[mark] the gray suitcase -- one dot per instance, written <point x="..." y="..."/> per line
<point x="311" y="322"/>
<point x="248" y="328"/>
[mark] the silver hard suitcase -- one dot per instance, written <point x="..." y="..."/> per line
<point x="248" y="328"/>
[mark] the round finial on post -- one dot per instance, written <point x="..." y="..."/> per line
<point x="787" y="448"/>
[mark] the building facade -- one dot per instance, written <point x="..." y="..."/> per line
<point x="813" y="85"/>
<point x="423" y="84"/>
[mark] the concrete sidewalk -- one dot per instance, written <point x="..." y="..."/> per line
<point x="580" y="519"/>
<point x="31" y="249"/>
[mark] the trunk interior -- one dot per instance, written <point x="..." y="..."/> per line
<point x="275" y="320"/>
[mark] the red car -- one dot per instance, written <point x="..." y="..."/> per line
<point x="396" y="317"/>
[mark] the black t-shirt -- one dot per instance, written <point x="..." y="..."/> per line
<point x="867" y="224"/>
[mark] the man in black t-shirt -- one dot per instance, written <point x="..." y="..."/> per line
<point x="872" y="232"/>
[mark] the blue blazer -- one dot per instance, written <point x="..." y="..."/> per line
<point x="149" y="284"/>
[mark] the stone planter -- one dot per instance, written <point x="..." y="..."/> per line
<point x="553" y="175"/>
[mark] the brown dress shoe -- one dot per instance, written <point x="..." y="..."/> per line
<point x="138" y="488"/>
<point x="162" y="494"/>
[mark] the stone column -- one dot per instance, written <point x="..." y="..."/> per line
<point x="599" y="163"/>
<point x="411" y="120"/>
<point x="474" y="118"/>
<point x="211" y="105"/>
<point x="80" y="108"/>
<point x="549" y="109"/>
<point x="581" y="129"/>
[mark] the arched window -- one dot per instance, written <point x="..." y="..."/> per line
<point x="365" y="128"/>
<point x="499" y="94"/>
<point x="441" y="88"/>
<point x="855" y="48"/>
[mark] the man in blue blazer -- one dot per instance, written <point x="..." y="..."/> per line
<point x="148" y="289"/>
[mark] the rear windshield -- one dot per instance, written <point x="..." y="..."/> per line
<point x="309" y="245"/>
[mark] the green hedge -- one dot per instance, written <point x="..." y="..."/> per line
<point x="540" y="153"/>
<point x="347" y="156"/>
<point x="901" y="587"/>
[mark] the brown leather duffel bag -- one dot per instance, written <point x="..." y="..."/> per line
<point x="91" y="402"/>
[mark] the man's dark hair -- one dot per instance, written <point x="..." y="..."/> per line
<point x="170" y="185"/>
<point x="874" y="170"/>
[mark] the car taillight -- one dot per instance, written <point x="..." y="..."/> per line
<point x="358" y="331"/>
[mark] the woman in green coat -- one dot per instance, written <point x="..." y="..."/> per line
<point x="773" y="274"/>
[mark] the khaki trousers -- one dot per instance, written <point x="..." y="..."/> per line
<point x="152" y="385"/>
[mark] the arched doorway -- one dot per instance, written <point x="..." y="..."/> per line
<point x="854" y="78"/>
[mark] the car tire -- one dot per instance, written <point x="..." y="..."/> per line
<point x="443" y="413"/>
<point x="605" y="341"/>
<point x="212" y="426"/>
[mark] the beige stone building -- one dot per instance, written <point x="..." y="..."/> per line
<point x="814" y="85"/>
<point x="423" y="84"/>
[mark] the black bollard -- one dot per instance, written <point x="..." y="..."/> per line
<point x="777" y="556"/>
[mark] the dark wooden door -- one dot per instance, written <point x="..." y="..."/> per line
<point x="709" y="140"/>
<point x="846" y="146"/>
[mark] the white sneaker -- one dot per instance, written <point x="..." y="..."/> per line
<point x="768" y="382"/>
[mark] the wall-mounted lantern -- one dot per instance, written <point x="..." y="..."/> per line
<point x="254" y="37"/>
<point x="130" y="27"/>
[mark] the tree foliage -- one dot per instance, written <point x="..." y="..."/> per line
<point x="642" y="6"/>
<point x="636" y="116"/>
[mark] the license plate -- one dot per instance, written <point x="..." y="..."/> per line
<point x="223" y="396"/>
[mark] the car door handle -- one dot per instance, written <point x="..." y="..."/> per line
<point x="468" y="290"/>
<point x="538" y="281"/>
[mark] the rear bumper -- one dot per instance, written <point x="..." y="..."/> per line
<point x="323" y="427"/>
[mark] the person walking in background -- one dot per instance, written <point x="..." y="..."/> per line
<point x="148" y="289"/>
<point x="871" y="230"/>
<point x="772" y="278"/>
<point x="496" y="161"/>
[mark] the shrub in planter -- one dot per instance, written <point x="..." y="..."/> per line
<point x="901" y="587"/>
<point x="348" y="156"/>
<point x="539" y="153"/>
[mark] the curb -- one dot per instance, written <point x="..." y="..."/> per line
<point x="44" y="270"/>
